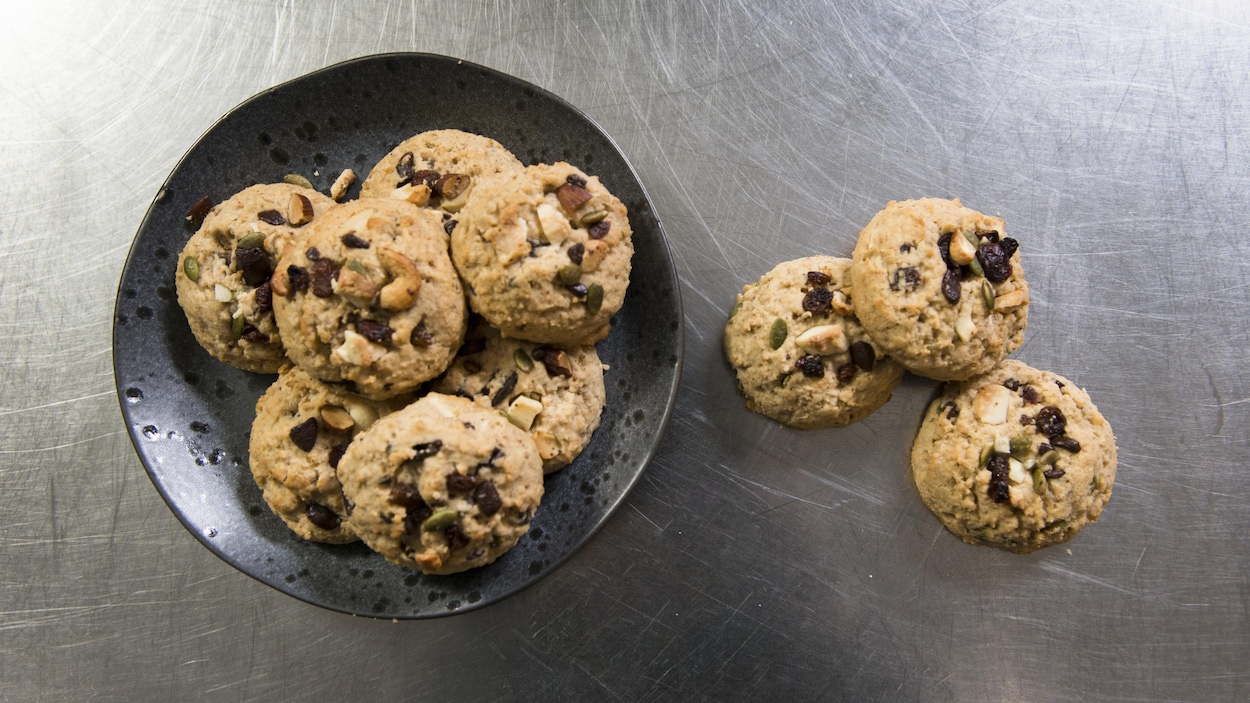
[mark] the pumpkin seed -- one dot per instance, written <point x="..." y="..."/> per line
<point x="297" y="180"/>
<point x="236" y="326"/>
<point x="976" y="267"/>
<point x="777" y="335"/>
<point x="987" y="293"/>
<point x="1039" y="481"/>
<point x="191" y="267"/>
<point x="986" y="452"/>
<point x="593" y="217"/>
<point x="523" y="360"/>
<point x="440" y="519"/>
<point x="1048" y="458"/>
<point x="594" y="298"/>
<point x="1020" y="446"/>
<point x="252" y="240"/>
<point x="569" y="274"/>
<point x="356" y="266"/>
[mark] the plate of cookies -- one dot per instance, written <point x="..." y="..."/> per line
<point x="398" y="336"/>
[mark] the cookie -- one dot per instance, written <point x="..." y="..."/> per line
<point x="437" y="169"/>
<point x="801" y="356"/>
<point x="223" y="272"/>
<point x="545" y="254"/>
<point x="370" y="297"/>
<point x="940" y="288"/>
<point x="555" y="395"/>
<point x="443" y="485"/>
<point x="1016" y="458"/>
<point x="301" y="430"/>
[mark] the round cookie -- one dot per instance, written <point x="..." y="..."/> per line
<point x="545" y="254"/>
<point x="939" y="304"/>
<point x="223" y="287"/>
<point x="370" y="297"/>
<point x="301" y="430"/>
<point x="431" y="166"/>
<point x="801" y="356"/>
<point x="555" y="395"/>
<point x="443" y="485"/>
<point x="1016" y="458"/>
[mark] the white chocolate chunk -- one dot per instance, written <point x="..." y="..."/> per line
<point x="824" y="340"/>
<point x="357" y="350"/>
<point x="554" y="225"/>
<point x="222" y="293"/>
<point x="523" y="411"/>
<point x="1015" y="471"/>
<point x="964" y="326"/>
<point x="363" y="415"/>
<point x="509" y="238"/>
<point x="991" y="404"/>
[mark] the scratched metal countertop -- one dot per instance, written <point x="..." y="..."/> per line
<point x="751" y="561"/>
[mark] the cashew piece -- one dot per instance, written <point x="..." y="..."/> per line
<point x="400" y="293"/>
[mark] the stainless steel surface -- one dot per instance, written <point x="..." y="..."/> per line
<point x="752" y="561"/>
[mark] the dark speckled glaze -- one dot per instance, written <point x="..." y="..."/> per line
<point x="189" y="415"/>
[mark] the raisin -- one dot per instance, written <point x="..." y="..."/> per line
<point x="846" y="372"/>
<point x="818" y="278"/>
<point x="579" y="289"/>
<point x="599" y="230"/>
<point x="324" y="271"/>
<point x="1051" y="422"/>
<point x="811" y="365"/>
<point x="313" y="253"/>
<point x="1026" y="419"/>
<point x="818" y="300"/>
<point x="420" y="336"/>
<point x="906" y="247"/>
<point x="1031" y="395"/>
<point x="509" y="385"/>
<point x="906" y="277"/>
<point x="323" y="517"/>
<point x="253" y="335"/>
<point x="404" y="169"/>
<point x="427" y="449"/>
<point x="336" y="454"/>
<point x="486" y="498"/>
<point x="255" y="264"/>
<point x="864" y="356"/>
<point x="374" y="331"/>
<point x="1067" y="443"/>
<point x="994" y="262"/>
<point x="950" y="286"/>
<point x="999" y="484"/>
<point x="1054" y="473"/>
<point x="428" y="177"/>
<point x="351" y="241"/>
<point x="272" y="217"/>
<point x="456" y="538"/>
<point x="461" y="483"/>
<point x="1043" y="448"/>
<point x="576" y="180"/>
<point x="471" y="346"/>
<point x="304" y="435"/>
<point x="1009" y="245"/>
<point x="264" y="297"/>
<point x="952" y="410"/>
<point x="449" y="226"/>
<point x="554" y="360"/>
<point x="297" y="277"/>
<point x="944" y="248"/>
<point x="576" y="252"/>
<point x="1012" y="384"/>
<point x="495" y="455"/>
<point x="406" y="495"/>
<point x="416" y="515"/>
<point x="199" y="209"/>
<point x="990" y="235"/>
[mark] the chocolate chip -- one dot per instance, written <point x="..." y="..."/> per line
<point x="599" y="230"/>
<point x="449" y="185"/>
<point x="994" y="262"/>
<point x="461" y="483"/>
<point x="255" y="264"/>
<point x="864" y="356"/>
<point x="427" y="449"/>
<point x="846" y="372"/>
<point x="950" y="286"/>
<point x="428" y="177"/>
<point x="336" y="453"/>
<point x="297" y="277"/>
<point x="264" y="297"/>
<point x="818" y="300"/>
<point x="1030" y="395"/>
<point x="449" y="226"/>
<point x="486" y="498"/>
<point x="811" y="365"/>
<point x="304" y="435"/>
<point x="509" y="385"/>
<point x="1067" y="443"/>
<point x="374" y="331"/>
<point x="324" y="271"/>
<point x="420" y="337"/>
<point x="818" y="278"/>
<point x="999" y="485"/>
<point x="323" y="517"/>
<point x="576" y="252"/>
<point x="351" y="241"/>
<point x="272" y="217"/>
<point x="1050" y="421"/>
<point x="199" y="210"/>
<point x="456" y="538"/>
<point x="907" y="277"/>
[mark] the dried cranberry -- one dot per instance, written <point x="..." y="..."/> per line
<point x="420" y="337"/>
<point x="1009" y="245"/>
<point x="449" y="226"/>
<point x="272" y="217"/>
<point x="846" y="372"/>
<point x="818" y="300"/>
<point x="999" y="484"/>
<point x="456" y="538"/>
<point x="427" y="449"/>
<point x="336" y="454"/>
<point x="374" y="331"/>
<point x="864" y="356"/>
<point x="599" y="230"/>
<point x="324" y="271"/>
<point x="994" y="262"/>
<point x="486" y="498"/>
<point x="304" y="435"/>
<point x="950" y="286"/>
<point x="264" y="297"/>
<point x="944" y="248"/>
<point x="461" y="483"/>
<point x="323" y="517"/>
<point x="906" y="277"/>
<point x="818" y="278"/>
<point x="297" y="277"/>
<point x="1050" y="421"/>
<point x="576" y="252"/>
<point x="199" y="210"/>
<point x="1030" y="395"/>
<point x="1054" y="473"/>
<point x="811" y="365"/>
<point x="351" y="241"/>
<point x="509" y="385"/>
<point x="255" y="264"/>
<point x="406" y="495"/>
<point x="1066" y="443"/>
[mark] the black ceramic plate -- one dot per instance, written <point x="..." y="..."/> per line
<point x="189" y="415"/>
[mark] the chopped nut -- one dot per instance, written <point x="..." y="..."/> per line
<point x="842" y="304"/>
<point x="337" y="419"/>
<point x="824" y="340"/>
<point x="593" y="255"/>
<point x="355" y="287"/>
<point x="358" y="222"/>
<point x="363" y="415"/>
<point x="991" y="404"/>
<point x="962" y="250"/>
<point x="523" y="410"/>
<point x="554" y="225"/>
<point x="1014" y="299"/>
<point x="509" y="237"/>
<point x="401" y="292"/>
<point x="345" y="180"/>
<point x="279" y="282"/>
<point x="357" y="350"/>
<point x="222" y="293"/>
<point x="548" y="445"/>
<point x="450" y="186"/>
<point x="417" y="194"/>
<point x="964" y="326"/>
<point x="572" y="196"/>
<point x="1016" y="471"/>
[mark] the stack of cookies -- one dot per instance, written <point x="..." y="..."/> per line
<point x="1007" y="455"/>
<point x="434" y="341"/>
